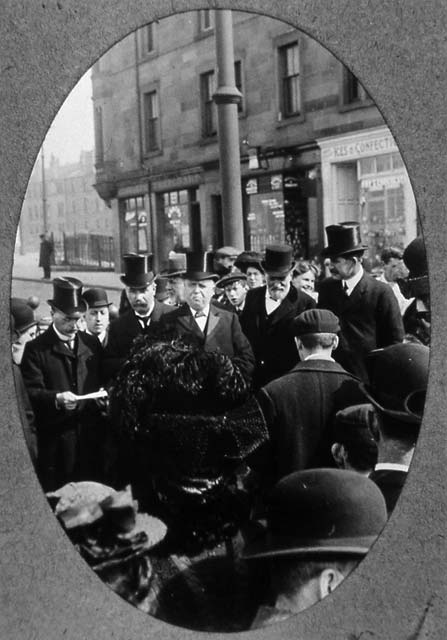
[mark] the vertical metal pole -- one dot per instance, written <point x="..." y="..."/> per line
<point x="227" y="97"/>
<point x="44" y="193"/>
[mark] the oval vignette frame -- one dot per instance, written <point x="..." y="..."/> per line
<point x="398" y="51"/>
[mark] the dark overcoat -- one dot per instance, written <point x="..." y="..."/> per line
<point x="299" y="409"/>
<point x="369" y="319"/>
<point x="222" y="333"/>
<point x="271" y="336"/>
<point x="64" y="437"/>
<point x="46" y="253"/>
<point x="122" y="333"/>
<point x="390" y="482"/>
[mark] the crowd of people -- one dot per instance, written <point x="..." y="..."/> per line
<point x="236" y="434"/>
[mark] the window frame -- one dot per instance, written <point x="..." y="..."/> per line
<point x="150" y="149"/>
<point x="207" y="105"/>
<point x="285" y="79"/>
<point x="347" y="103"/>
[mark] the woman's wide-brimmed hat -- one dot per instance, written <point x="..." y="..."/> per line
<point x="67" y="296"/>
<point x="343" y="238"/>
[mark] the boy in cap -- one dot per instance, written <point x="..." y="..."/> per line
<point x="320" y="524"/>
<point x="367" y="309"/>
<point x="268" y="314"/>
<point x="57" y="366"/>
<point x="224" y="259"/>
<point x="398" y="376"/>
<point x="235" y="288"/>
<point x="354" y="447"/>
<point x="300" y="406"/>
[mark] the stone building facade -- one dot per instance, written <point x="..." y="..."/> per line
<point x="314" y="149"/>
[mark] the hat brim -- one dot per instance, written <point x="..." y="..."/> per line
<point x="139" y="283"/>
<point x="75" y="312"/>
<point x="404" y="416"/>
<point x="99" y="304"/>
<point x="226" y="281"/>
<point x="271" y="548"/>
<point x="278" y="273"/>
<point x="27" y="326"/>
<point x="199" y="275"/>
<point x="172" y="274"/>
<point x="332" y="252"/>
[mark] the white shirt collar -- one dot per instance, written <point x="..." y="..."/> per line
<point x="318" y="356"/>
<point x="353" y="280"/>
<point x="205" y="310"/>
<point x="101" y="336"/>
<point x="61" y="336"/>
<point x="390" y="466"/>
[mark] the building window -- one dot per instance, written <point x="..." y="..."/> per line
<point x="150" y="37"/>
<point x="207" y="89"/>
<point x="99" y="136"/>
<point x="135" y="227"/>
<point x="353" y="91"/>
<point x="289" y="73"/>
<point x="151" y="122"/>
<point x="205" y="20"/>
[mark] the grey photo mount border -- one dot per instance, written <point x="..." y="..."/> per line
<point x="398" y="50"/>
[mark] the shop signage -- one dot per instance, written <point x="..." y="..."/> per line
<point x="276" y="182"/>
<point x="251" y="186"/>
<point x="290" y="182"/>
<point x="382" y="182"/>
<point x="360" y="148"/>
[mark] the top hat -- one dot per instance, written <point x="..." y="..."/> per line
<point x="22" y="314"/>
<point x="415" y="259"/>
<point x="198" y="266"/>
<point x="321" y="512"/>
<point x="249" y="259"/>
<point x="395" y="373"/>
<point x="176" y="266"/>
<point x="278" y="260"/>
<point x="67" y="296"/>
<point x="234" y="276"/>
<point x="315" y="321"/>
<point x="138" y="270"/>
<point x="95" y="298"/>
<point x="343" y="238"/>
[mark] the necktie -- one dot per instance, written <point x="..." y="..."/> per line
<point x="199" y="314"/>
<point x="345" y="288"/>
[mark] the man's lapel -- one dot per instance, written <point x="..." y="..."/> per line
<point x="357" y="293"/>
<point x="185" y="320"/>
<point x="213" y="321"/>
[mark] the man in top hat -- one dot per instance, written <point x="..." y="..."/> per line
<point x="417" y="316"/>
<point x="175" y="285"/>
<point x="224" y="259"/>
<point x="235" y="289"/>
<point x="320" y="524"/>
<point x="368" y="310"/>
<point x="300" y="406"/>
<point x="144" y="312"/>
<point x="215" y="327"/>
<point x="354" y="447"/>
<point x="58" y="366"/>
<point x="97" y="314"/>
<point x="398" y="382"/>
<point x="249" y="262"/>
<point x="268" y="314"/>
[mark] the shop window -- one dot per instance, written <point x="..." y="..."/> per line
<point x="178" y="215"/>
<point x="135" y="226"/>
<point x="289" y="74"/>
<point x="353" y="92"/>
<point x="151" y="122"/>
<point x="208" y="107"/>
<point x="99" y="136"/>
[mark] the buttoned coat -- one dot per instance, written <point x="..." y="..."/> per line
<point x="222" y="333"/>
<point x="122" y="333"/>
<point x="49" y="367"/>
<point x="299" y="409"/>
<point x="369" y="319"/>
<point x="271" y="336"/>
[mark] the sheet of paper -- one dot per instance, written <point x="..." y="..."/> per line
<point x="102" y="393"/>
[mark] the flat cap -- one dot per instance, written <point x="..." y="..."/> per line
<point x="315" y="321"/>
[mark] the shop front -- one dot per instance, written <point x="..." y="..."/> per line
<point x="364" y="180"/>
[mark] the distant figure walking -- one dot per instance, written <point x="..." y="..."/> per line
<point x="46" y="255"/>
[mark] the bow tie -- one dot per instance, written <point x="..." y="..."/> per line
<point x="199" y="314"/>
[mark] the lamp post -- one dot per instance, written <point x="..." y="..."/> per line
<point x="227" y="97"/>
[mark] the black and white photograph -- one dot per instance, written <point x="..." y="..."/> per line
<point x="218" y="334"/>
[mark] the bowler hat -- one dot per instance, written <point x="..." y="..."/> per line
<point x="67" y="296"/>
<point x="343" y="238"/>
<point x="198" y="266"/>
<point x="278" y="260"/>
<point x="234" y="276"/>
<point x="95" y="298"/>
<point x="249" y="259"/>
<point x="315" y="321"/>
<point x="415" y="259"/>
<point x="321" y="512"/>
<point x="395" y="373"/>
<point x="176" y="266"/>
<point x="138" y="270"/>
<point x="23" y="315"/>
